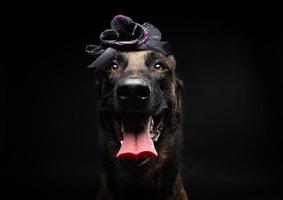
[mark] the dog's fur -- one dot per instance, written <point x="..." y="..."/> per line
<point x="160" y="178"/>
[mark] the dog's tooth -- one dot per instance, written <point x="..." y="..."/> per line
<point x="157" y="132"/>
<point x="152" y="122"/>
<point x="156" y="138"/>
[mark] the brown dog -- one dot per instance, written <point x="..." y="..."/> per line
<point x="140" y="110"/>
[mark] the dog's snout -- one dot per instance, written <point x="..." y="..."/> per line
<point x="133" y="89"/>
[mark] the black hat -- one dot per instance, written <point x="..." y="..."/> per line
<point x="126" y="35"/>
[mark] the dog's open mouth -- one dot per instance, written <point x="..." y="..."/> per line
<point x="137" y="134"/>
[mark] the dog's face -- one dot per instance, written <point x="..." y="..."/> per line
<point x="139" y="98"/>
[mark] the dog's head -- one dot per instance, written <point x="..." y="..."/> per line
<point x="139" y="95"/>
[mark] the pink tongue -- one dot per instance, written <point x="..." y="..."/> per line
<point x="137" y="145"/>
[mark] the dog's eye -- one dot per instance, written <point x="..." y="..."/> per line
<point x="114" y="68"/>
<point x="158" y="67"/>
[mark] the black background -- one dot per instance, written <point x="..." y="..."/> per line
<point x="229" y="56"/>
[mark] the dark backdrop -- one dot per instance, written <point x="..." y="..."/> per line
<point x="229" y="56"/>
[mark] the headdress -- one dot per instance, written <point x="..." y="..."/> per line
<point x="125" y="35"/>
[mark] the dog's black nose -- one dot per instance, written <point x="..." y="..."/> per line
<point x="133" y="89"/>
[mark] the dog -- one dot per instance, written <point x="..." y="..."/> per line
<point x="139" y="103"/>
